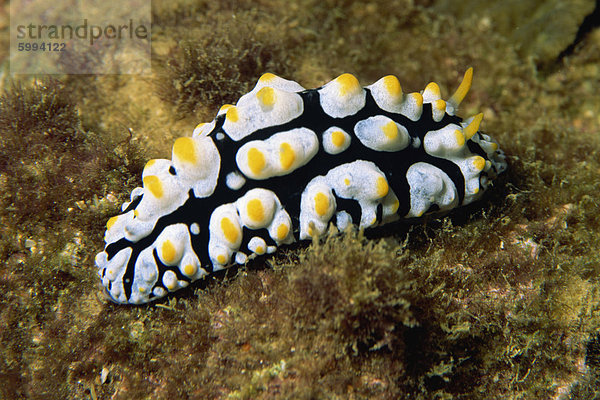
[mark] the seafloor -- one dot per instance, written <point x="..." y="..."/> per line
<point x="498" y="301"/>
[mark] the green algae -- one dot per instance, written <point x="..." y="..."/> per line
<point x="499" y="300"/>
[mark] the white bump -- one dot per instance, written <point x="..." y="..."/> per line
<point x="169" y="280"/>
<point x="342" y="96"/>
<point x="250" y="114"/>
<point x="382" y="133"/>
<point x="101" y="259"/>
<point x="257" y="245"/>
<point x="125" y="205"/>
<point x="234" y="180"/>
<point x="387" y="93"/>
<point x="203" y="129"/>
<point x="429" y="185"/>
<point x="256" y="208"/>
<point x="445" y="142"/>
<point x="336" y="140"/>
<point x="343" y="220"/>
<point x="278" y="155"/>
<point x="240" y="258"/>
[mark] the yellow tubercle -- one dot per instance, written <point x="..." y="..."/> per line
<point x="390" y="130"/>
<point x="311" y="229"/>
<point x="432" y="90"/>
<point x="440" y="105"/>
<point x="168" y="252"/>
<point x="150" y="163"/>
<point x="395" y="206"/>
<point x="171" y="285"/>
<point x="154" y="185"/>
<point x="224" y="108"/>
<point x="256" y="160"/>
<point x="473" y="127"/>
<point x="266" y="96"/>
<point x="348" y="84"/>
<point x="463" y="89"/>
<point x="190" y="269"/>
<point x="338" y="138"/>
<point x="221" y="258"/>
<point x="478" y="163"/>
<point x="382" y="187"/>
<point x="460" y="138"/>
<point x="417" y="98"/>
<point x="256" y="211"/>
<point x="232" y="114"/>
<point x="287" y="155"/>
<point x="259" y="250"/>
<point x="184" y="149"/>
<point x="346" y="181"/>
<point x="142" y="289"/>
<point x="230" y="231"/>
<point x="111" y="222"/>
<point x="267" y="77"/>
<point x="282" y="231"/>
<point x="321" y="203"/>
<point x="393" y="87"/>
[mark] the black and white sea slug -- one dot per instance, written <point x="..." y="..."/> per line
<point x="281" y="165"/>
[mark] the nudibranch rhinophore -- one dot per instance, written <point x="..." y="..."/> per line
<point x="281" y="165"/>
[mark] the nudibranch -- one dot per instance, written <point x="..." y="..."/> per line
<point x="284" y="163"/>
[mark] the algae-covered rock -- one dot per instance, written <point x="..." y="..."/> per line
<point x="537" y="29"/>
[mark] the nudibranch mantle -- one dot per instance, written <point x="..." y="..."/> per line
<point x="284" y="163"/>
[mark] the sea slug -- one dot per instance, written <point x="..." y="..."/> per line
<point x="284" y="163"/>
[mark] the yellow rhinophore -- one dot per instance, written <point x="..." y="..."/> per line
<point x="462" y="90"/>
<point x="473" y="127"/>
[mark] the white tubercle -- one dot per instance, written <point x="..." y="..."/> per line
<point x="278" y="155"/>
<point x="342" y="96"/>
